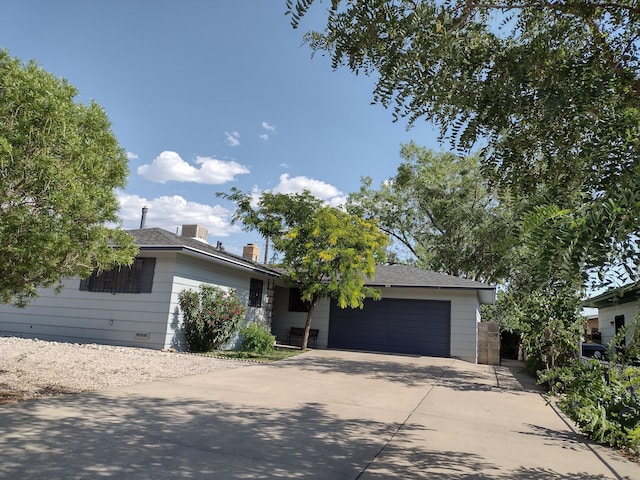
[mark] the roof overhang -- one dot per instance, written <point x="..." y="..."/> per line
<point x="626" y="294"/>
<point x="219" y="259"/>
<point x="486" y="295"/>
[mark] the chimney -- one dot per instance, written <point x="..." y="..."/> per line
<point x="143" y="220"/>
<point x="251" y="252"/>
<point x="197" y="232"/>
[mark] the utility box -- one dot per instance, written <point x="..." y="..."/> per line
<point x="199" y="232"/>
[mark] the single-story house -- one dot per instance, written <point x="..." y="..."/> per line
<point x="420" y="312"/>
<point x="617" y="307"/>
<point x="138" y="306"/>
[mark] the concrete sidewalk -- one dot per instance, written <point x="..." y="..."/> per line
<point x="322" y="415"/>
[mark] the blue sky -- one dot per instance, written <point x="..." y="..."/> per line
<point x="208" y="95"/>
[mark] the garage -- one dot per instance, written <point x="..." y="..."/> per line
<point x="395" y="325"/>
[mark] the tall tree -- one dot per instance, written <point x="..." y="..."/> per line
<point x="59" y="164"/>
<point x="325" y="252"/>
<point x="441" y="209"/>
<point x="548" y="89"/>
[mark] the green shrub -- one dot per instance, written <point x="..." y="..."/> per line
<point x="602" y="399"/>
<point x="211" y="316"/>
<point x="256" y="339"/>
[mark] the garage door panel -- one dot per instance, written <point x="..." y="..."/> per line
<point x="393" y="325"/>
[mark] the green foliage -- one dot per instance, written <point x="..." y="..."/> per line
<point x="257" y="339"/>
<point x="548" y="90"/>
<point x="331" y="255"/>
<point x="440" y="208"/>
<point x="624" y="349"/>
<point x="211" y="316"/>
<point x="324" y="251"/>
<point x="548" y="320"/>
<point x="602" y="399"/>
<point x="59" y="164"/>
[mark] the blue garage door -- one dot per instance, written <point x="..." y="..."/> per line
<point x="419" y="327"/>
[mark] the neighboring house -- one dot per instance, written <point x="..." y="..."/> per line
<point x="616" y="308"/>
<point x="138" y="305"/>
<point x="421" y="312"/>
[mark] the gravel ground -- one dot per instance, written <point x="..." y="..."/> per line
<point x="31" y="368"/>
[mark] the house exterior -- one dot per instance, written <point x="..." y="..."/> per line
<point x="617" y="308"/>
<point x="591" y="329"/>
<point x="139" y="306"/>
<point x="420" y="312"/>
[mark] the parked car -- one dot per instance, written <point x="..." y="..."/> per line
<point x="594" y="350"/>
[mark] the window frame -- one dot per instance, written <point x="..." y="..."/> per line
<point x="256" y="288"/>
<point x="136" y="278"/>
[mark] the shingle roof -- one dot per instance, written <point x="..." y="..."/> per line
<point x="407" y="276"/>
<point x="386" y="275"/>
<point x="157" y="238"/>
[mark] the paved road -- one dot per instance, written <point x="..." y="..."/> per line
<point x="322" y="415"/>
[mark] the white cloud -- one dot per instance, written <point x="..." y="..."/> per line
<point x="284" y="165"/>
<point x="132" y="156"/>
<point x="317" y="188"/>
<point x="171" y="212"/>
<point x="168" y="166"/>
<point x="233" y="138"/>
<point x="268" y="127"/>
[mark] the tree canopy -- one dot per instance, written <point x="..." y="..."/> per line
<point x="548" y="90"/>
<point x="324" y="251"/>
<point x="442" y="210"/>
<point x="59" y="164"/>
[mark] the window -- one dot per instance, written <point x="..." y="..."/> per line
<point x="296" y="304"/>
<point x="255" y="293"/>
<point x="137" y="278"/>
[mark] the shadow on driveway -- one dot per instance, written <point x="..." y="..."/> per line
<point x="413" y="371"/>
<point x="259" y="422"/>
<point x="95" y="436"/>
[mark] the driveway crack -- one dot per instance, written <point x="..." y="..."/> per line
<point x="404" y="422"/>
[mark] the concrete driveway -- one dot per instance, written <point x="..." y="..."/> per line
<point x="322" y="415"/>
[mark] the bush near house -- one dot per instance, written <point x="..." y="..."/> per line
<point x="211" y="316"/>
<point x="603" y="398"/>
<point x="257" y="339"/>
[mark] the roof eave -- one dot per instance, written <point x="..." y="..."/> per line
<point x="626" y="294"/>
<point x="486" y="294"/>
<point x="218" y="258"/>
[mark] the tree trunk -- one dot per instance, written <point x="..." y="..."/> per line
<point x="307" y="325"/>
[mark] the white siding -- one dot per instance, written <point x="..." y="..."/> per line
<point x="149" y="320"/>
<point x="465" y="314"/>
<point x="606" y="318"/>
<point x="129" y="319"/>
